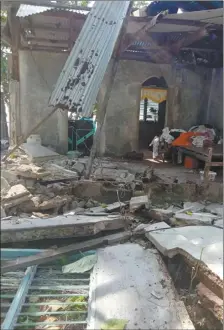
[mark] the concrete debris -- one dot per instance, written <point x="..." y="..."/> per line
<point x="138" y="202"/>
<point x="110" y="174"/>
<point x="202" y="244"/>
<point x="9" y="175"/>
<point x="62" y="172"/>
<point x="160" y="214"/>
<point x="50" y="255"/>
<point x="31" y="171"/>
<point x="144" y="228"/>
<point x="16" y="202"/>
<point x="194" y="219"/>
<point x="218" y="223"/>
<point x="114" y="207"/>
<point x="15" y="192"/>
<point x="97" y="209"/>
<point x="78" y="167"/>
<point x="140" y="229"/>
<point x="130" y="277"/>
<point x="215" y="208"/>
<point x="194" y="207"/>
<point x="53" y="203"/>
<point x="210" y="301"/>
<point x="59" y="227"/>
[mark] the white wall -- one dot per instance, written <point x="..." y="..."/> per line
<point x="38" y="74"/>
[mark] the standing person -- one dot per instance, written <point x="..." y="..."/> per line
<point x="155" y="146"/>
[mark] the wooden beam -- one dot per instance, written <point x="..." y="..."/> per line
<point x="50" y="255"/>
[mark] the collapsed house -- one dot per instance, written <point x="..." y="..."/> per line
<point x="172" y="62"/>
<point x="179" y="59"/>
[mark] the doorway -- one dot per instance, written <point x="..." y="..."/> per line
<point x="152" y="110"/>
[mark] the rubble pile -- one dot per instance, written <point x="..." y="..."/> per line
<point x="51" y="185"/>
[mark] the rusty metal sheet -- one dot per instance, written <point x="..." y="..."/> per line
<point x="28" y="10"/>
<point x="81" y="77"/>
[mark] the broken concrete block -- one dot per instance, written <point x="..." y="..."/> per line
<point x="55" y="202"/>
<point x="194" y="207"/>
<point x="138" y="202"/>
<point x="110" y="174"/>
<point x="120" y="265"/>
<point x="160" y="214"/>
<point x="15" y="192"/>
<point x="157" y="226"/>
<point x="203" y="244"/>
<point x="78" y="167"/>
<point x="130" y="178"/>
<point x="31" y="171"/>
<point x="97" y="209"/>
<point x="218" y="223"/>
<point x="59" y="227"/>
<point x="63" y="171"/>
<point x="9" y="175"/>
<point x="18" y="201"/>
<point x="210" y="301"/>
<point x="215" y="208"/>
<point x="90" y="204"/>
<point x="195" y="218"/>
<point x="114" y="207"/>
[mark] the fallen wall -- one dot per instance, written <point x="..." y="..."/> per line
<point x="120" y="133"/>
<point x="38" y="74"/>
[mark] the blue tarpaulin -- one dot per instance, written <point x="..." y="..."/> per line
<point x="172" y="6"/>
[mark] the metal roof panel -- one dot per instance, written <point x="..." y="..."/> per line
<point x="81" y="77"/>
<point x="28" y="10"/>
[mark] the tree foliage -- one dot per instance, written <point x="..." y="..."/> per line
<point x="140" y="4"/>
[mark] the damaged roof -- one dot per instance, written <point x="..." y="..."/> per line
<point x="28" y="10"/>
<point x="80" y="80"/>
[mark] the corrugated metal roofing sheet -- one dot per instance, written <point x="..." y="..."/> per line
<point x="80" y="80"/>
<point x="28" y="10"/>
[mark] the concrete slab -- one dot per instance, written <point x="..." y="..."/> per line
<point x="138" y="202"/>
<point x="131" y="283"/>
<point x="110" y="174"/>
<point x="37" y="152"/>
<point x="194" y="207"/>
<point x="15" y="192"/>
<point x="215" y="208"/>
<point x="160" y="214"/>
<point x="195" y="218"/>
<point x="59" y="227"/>
<point x="218" y="223"/>
<point x="202" y="243"/>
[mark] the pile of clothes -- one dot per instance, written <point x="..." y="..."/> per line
<point x="198" y="136"/>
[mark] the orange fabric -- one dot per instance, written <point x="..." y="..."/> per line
<point x="185" y="139"/>
<point x="190" y="163"/>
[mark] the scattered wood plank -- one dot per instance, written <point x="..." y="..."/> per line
<point x="51" y="255"/>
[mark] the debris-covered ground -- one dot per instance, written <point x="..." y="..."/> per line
<point x="51" y="199"/>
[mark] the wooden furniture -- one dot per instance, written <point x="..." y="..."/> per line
<point x="212" y="156"/>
